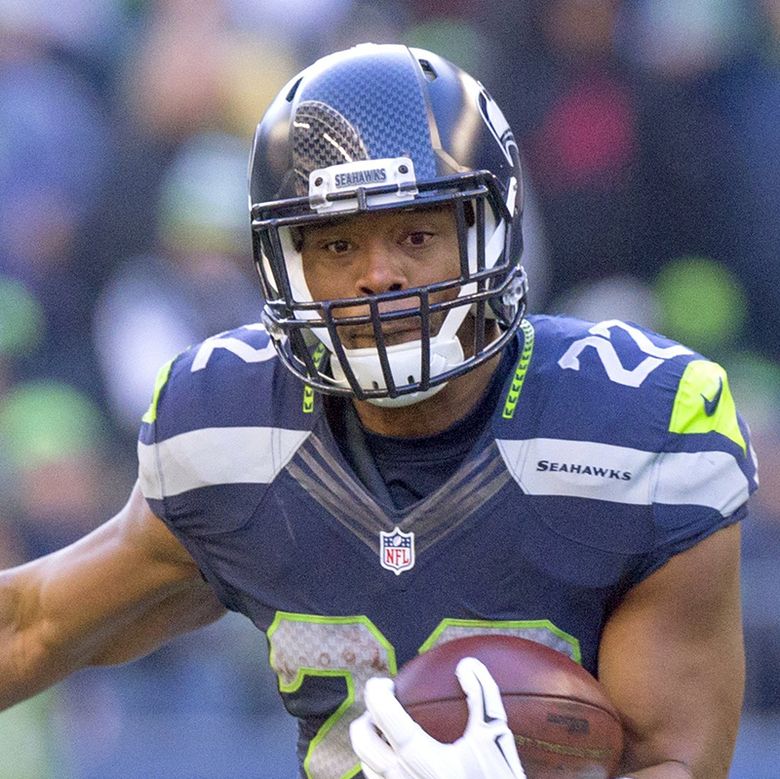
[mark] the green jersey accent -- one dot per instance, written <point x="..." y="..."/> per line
<point x="540" y="630"/>
<point x="513" y="395"/>
<point x="308" y="392"/>
<point x="162" y="379"/>
<point x="704" y="403"/>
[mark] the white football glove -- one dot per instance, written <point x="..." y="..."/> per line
<point x="486" y="750"/>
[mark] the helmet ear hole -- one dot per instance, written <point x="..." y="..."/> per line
<point x="293" y="89"/>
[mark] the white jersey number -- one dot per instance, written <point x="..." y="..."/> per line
<point x="600" y="341"/>
<point x="236" y="346"/>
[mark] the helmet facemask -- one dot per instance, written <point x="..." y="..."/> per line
<point x="309" y="334"/>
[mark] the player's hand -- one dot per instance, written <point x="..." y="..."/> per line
<point x="391" y="745"/>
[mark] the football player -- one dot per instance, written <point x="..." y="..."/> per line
<point x="399" y="456"/>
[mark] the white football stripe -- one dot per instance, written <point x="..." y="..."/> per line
<point x="216" y="455"/>
<point x="711" y="479"/>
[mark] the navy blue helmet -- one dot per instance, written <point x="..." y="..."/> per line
<point x="375" y="128"/>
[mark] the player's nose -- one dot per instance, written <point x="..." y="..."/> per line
<point x="380" y="271"/>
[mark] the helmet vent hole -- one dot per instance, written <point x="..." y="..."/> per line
<point x="375" y="384"/>
<point x="428" y="70"/>
<point x="410" y="379"/>
<point x="293" y="90"/>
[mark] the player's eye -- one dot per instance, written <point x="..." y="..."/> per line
<point x="339" y="246"/>
<point x="418" y="238"/>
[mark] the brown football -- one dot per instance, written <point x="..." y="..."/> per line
<point x="563" y="722"/>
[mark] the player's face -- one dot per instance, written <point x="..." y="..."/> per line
<point x="382" y="252"/>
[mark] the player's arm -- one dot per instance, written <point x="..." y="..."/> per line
<point x="672" y="660"/>
<point x="116" y="594"/>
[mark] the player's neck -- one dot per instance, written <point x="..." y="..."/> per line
<point x="434" y="415"/>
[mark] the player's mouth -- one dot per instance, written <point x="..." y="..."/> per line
<point x="392" y="334"/>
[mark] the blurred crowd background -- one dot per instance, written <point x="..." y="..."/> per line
<point x="651" y="136"/>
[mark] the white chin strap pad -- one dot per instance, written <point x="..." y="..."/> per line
<point x="405" y="367"/>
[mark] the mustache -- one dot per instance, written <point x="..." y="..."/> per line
<point x="389" y="333"/>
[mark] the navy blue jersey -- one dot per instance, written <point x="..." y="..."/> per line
<point x="610" y="450"/>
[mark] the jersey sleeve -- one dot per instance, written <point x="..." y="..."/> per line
<point x="707" y="468"/>
<point x="150" y="474"/>
<point x="628" y="442"/>
<point x="168" y="465"/>
<point x="209" y="446"/>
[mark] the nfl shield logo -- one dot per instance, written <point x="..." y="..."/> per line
<point x="396" y="550"/>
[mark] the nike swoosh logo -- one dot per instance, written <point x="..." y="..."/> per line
<point x="710" y="406"/>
